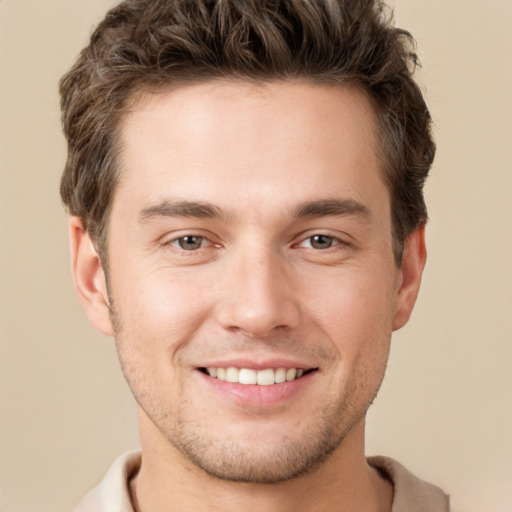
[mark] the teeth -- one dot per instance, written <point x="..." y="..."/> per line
<point x="291" y="374"/>
<point x="280" y="376"/>
<point x="265" y="377"/>
<point x="232" y="375"/>
<point x="247" y="376"/>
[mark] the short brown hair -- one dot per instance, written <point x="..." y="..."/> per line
<point x="152" y="44"/>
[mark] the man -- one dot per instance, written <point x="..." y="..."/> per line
<point x="245" y="186"/>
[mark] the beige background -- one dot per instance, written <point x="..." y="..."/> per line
<point x="445" y="406"/>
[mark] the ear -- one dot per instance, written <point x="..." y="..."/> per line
<point x="413" y="263"/>
<point x="89" y="277"/>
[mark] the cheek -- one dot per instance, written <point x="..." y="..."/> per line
<point x="158" y="314"/>
<point x="157" y="317"/>
<point x="353" y="300"/>
<point x="355" y="310"/>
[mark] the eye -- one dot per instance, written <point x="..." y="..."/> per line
<point x="190" y="242"/>
<point x="320" y="242"/>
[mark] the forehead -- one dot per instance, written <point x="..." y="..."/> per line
<point x="232" y="142"/>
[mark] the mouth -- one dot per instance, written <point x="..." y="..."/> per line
<point x="258" y="385"/>
<point x="263" y="377"/>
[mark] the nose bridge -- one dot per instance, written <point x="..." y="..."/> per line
<point x="258" y="296"/>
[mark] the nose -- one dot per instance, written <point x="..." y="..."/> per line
<point x="258" y="295"/>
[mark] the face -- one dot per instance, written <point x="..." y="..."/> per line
<point x="251" y="273"/>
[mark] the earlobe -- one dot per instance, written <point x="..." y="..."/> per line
<point x="413" y="263"/>
<point x="89" y="277"/>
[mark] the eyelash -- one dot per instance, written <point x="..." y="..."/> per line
<point x="176" y="242"/>
<point x="334" y="241"/>
<point x="205" y="242"/>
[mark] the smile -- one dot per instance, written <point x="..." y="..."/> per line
<point x="248" y="376"/>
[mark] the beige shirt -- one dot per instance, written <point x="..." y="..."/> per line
<point x="410" y="493"/>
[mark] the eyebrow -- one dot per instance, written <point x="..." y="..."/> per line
<point x="196" y="209"/>
<point x="205" y="210"/>
<point x="332" y="207"/>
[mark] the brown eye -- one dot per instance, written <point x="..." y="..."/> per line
<point x="190" y="242"/>
<point x="321" y="241"/>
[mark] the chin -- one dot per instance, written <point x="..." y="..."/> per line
<point x="265" y="456"/>
<point x="268" y="466"/>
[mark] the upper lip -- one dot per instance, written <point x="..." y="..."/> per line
<point x="257" y="364"/>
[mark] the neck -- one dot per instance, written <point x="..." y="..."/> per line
<point x="167" y="481"/>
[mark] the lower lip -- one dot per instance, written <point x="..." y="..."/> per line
<point x="251" y="395"/>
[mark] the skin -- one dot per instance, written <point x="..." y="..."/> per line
<point x="254" y="171"/>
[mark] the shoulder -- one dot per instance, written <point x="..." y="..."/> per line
<point x="112" y="493"/>
<point x="411" y="494"/>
